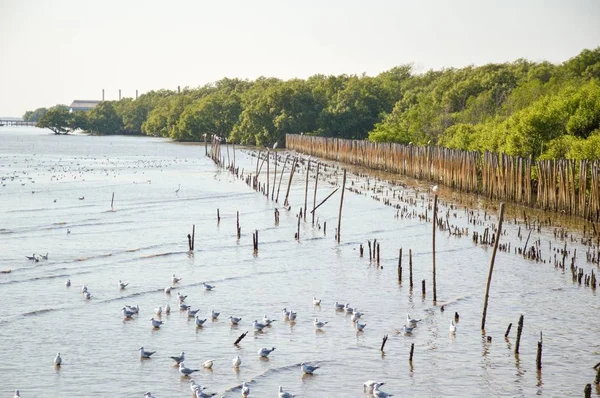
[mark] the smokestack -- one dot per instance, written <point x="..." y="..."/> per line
<point x="102" y="94"/>
<point x="136" y="94"/>
<point x="119" y="94"/>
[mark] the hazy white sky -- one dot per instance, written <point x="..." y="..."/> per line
<point x="56" y="51"/>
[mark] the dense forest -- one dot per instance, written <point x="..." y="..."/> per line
<point x="523" y="108"/>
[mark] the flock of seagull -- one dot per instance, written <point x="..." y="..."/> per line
<point x="199" y="391"/>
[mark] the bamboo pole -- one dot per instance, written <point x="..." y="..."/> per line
<point x="306" y="189"/>
<point x="340" y="212"/>
<point x="435" y="206"/>
<point x="281" y="177"/>
<point x="315" y="194"/>
<point x="489" y="281"/>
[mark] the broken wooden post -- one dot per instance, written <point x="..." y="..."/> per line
<point x="378" y="254"/>
<point x="324" y="200"/>
<point x="240" y="338"/>
<point x="112" y="201"/>
<point x="256" y="240"/>
<point x="597" y="380"/>
<point x="299" y="216"/>
<point x="489" y="281"/>
<point x="587" y="391"/>
<point x="423" y="287"/>
<point x="193" y="236"/>
<point x="315" y="194"/>
<point x="400" y="266"/>
<point x="410" y="267"/>
<point x="189" y="242"/>
<point x="361" y="250"/>
<point x="383" y="342"/>
<point x="508" y="330"/>
<point x="237" y="223"/>
<point x="268" y="178"/>
<point x="519" y="331"/>
<point x="412" y="350"/>
<point x="281" y="177"/>
<point x="538" y="359"/>
<point x="306" y="189"/>
<point x="435" y="204"/>
<point x="218" y="217"/>
<point x="287" y="194"/>
<point x="341" y="204"/>
<point x="325" y="228"/>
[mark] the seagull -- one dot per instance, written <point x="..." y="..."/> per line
<point x="202" y="394"/>
<point x="316" y="301"/>
<point x="126" y="313"/>
<point x="370" y="384"/>
<point x="32" y="258"/>
<point x="357" y="313"/>
<point x="411" y="321"/>
<point x="181" y="297"/>
<point x="258" y="326"/>
<point x="377" y="393"/>
<point x="285" y="312"/>
<point x="267" y="321"/>
<point x="122" y="285"/>
<point x="87" y="295"/>
<point x="68" y="283"/>
<point x="186" y="371"/>
<point x="195" y="387"/>
<point x="308" y="369"/>
<point x="275" y="145"/>
<point x="200" y="322"/>
<point x="192" y="313"/>
<point x="283" y="394"/>
<point x="434" y="188"/>
<point x="452" y="327"/>
<point x="167" y="309"/>
<point x="245" y="389"/>
<point x="57" y="359"/>
<point x="407" y="329"/>
<point x="17" y="394"/>
<point x="234" y="320"/>
<point x="156" y="323"/>
<point x="174" y="279"/>
<point x="348" y="309"/>
<point x="168" y="289"/>
<point x="184" y="307"/>
<point x="207" y="286"/>
<point x="179" y="358"/>
<point x="293" y="315"/>
<point x="339" y="306"/>
<point x="214" y="314"/>
<point x="237" y="361"/>
<point x="84" y="289"/>
<point x="264" y="352"/>
<point x="68" y="231"/>
<point x="135" y="309"/>
<point x="360" y="326"/>
<point x="208" y="364"/>
<point x="44" y="257"/>
<point x="145" y="354"/>
<point x="158" y="311"/>
<point x="319" y="324"/>
<point x="81" y="197"/>
<point x="148" y="394"/>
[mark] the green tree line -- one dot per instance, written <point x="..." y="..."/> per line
<point x="523" y="108"/>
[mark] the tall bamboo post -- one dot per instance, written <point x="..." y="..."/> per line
<point x="435" y="205"/>
<point x="268" y="179"/>
<point x="341" y="204"/>
<point x="306" y="189"/>
<point x="274" y="177"/>
<point x="489" y="281"/>
<point x="315" y="194"/>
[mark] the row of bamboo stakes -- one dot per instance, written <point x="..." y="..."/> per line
<point x="561" y="185"/>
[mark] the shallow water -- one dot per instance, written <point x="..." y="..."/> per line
<point x="143" y="241"/>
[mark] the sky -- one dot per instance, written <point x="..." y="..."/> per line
<point x="56" y="51"/>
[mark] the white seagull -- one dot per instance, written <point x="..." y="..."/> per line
<point x="186" y="371"/>
<point x="452" y="327"/>
<point x="407" y="329"/>
<point x="214" y="314"/>
<point x="84" y="289"/>
<point x="17" y="394"/>
<point x="339" y="307"/>
<point x="156" y="323"/>
<point x="180" y="358"/>
<point x="377" y="393"/>
<point x="175" y="279"/>
<point x="411" y="321"/>
<point x="208" y="364"/>
<point x="237" y="361"/>
<point x="370" y="384"/>
<point x="87" y="295"/>
<point x="167" y="309"/>
<point x="126" y="313"/>
<point x="360" y="326"/>
<point x="68" y="283"/>
<point x="258" y="326"/>
<point x="192" y="313"/>
<point x="285" y="313"/>
<point x="308" y="369"/>
<point x="57" y="359"/>
<point x="158" y="311"/>
<point x="316" y="301"/>
<point x="293" y="315"/>
<point x="148" y="394"/>
<point x="207" y="286"/>
<point x="168" y="289"/>
<point x="267" y="321"/>
<point x="319" y="324"/>
<point x="200" y="322"/>
<point x="145" y="354"/>
<point x="180" y="297"/>
<point x="283" y="394"/>
<point x="234" y="320"/>
<point x="245" y="389"/>
<point x="122" y="285"/>
<point x="264" y="352"/>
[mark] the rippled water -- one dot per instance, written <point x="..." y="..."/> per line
<point x="143" y="241"/>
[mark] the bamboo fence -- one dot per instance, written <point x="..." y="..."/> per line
<point x="560" y="185"/>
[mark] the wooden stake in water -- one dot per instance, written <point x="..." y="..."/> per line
<point x="306" y="189"/>
<point x="315" y="194"/>
<point x="519" y="331"/>
<point x="538" y="359"/>
<point x="274" y="176"/>
<point x="489" y="281"/>
<point x="410" y="267"/>
<point x="193" y="236"/>
<point x="268" y="179"/>
<point x="412" y="350"/>
<point x="341" y="204"/>
<point x="112" y="201"/>
<point x="435" y="201"/>
<point x="287" y="194"/>
<point x="281" y="177"/>
<point x="383" y="342"/>
<point x="400" y="266"/>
